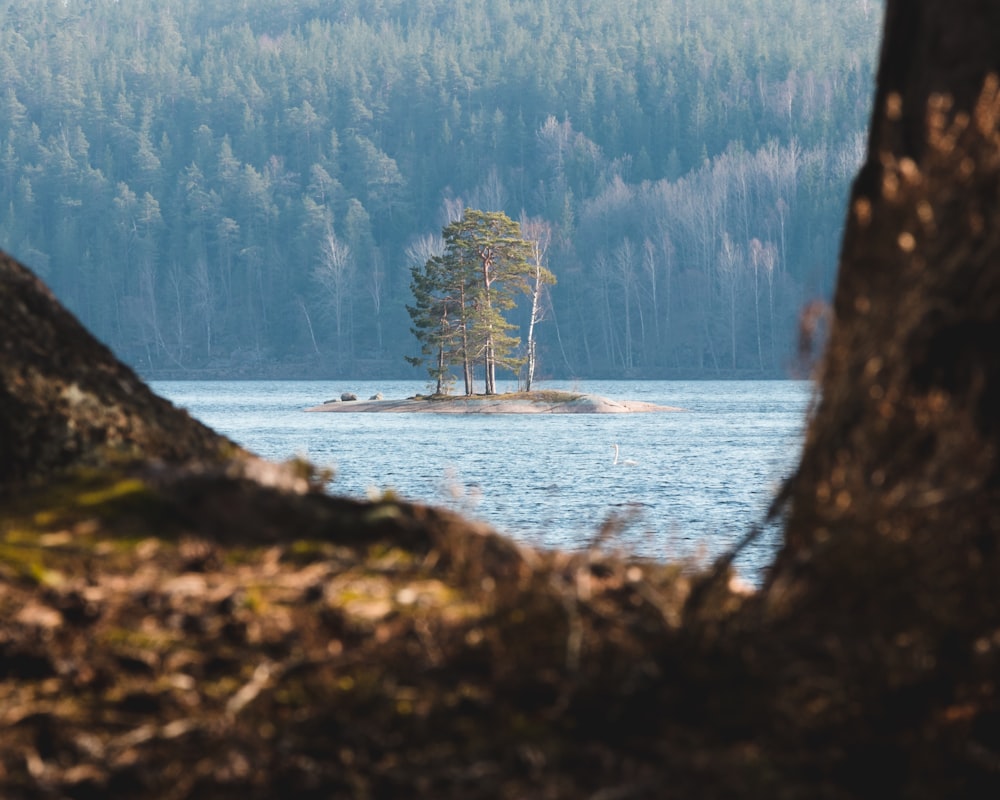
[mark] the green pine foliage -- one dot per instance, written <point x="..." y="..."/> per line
<point x="175" y="169"/>
<point x="439" y="324"/>
<point x="461" y="299"/>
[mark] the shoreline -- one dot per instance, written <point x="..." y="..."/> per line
<point x="544" y="403"/>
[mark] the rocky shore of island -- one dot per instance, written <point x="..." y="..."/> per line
<point x="544" y="402"/>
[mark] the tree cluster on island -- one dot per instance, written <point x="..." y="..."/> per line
<point x="461" y="298"/>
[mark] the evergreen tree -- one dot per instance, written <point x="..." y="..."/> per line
<point x="489" y="245"/>
<point x="438" y="320"/>
<point x="460" y="298"/>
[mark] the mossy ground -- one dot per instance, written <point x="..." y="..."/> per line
<point x="165" y="637"/>
<point x="142" y="655"/>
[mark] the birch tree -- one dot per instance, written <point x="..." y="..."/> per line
<point x="538" y="233"/>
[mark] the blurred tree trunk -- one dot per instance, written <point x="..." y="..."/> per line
<point x="909" y="394"/>
<point x="895" y="506"/>
<point x="883" y="599"/>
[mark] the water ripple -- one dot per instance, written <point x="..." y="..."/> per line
<point x="699" y="480"/>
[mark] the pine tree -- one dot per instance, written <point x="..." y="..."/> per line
<point x="489" y="245"/>
<point x="460" y="298"/>
<point x="438" y="316"/>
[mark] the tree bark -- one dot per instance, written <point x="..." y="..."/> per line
<point x="910" y="385"/>
<point x="891" y="554"/>
<point x="489" y="363"/>
<point x="877" y="623"/>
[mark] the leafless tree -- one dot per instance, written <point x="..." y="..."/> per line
<point x="334" y="274"/>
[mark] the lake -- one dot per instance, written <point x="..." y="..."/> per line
<point x="699" y="480"/>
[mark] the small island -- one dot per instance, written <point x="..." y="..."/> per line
<point x="536" y="402"/>
<point x="461" y="296"/>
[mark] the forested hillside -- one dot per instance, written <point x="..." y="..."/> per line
<point x="240" y="187"/>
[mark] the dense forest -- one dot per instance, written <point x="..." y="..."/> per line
<point x="242" y="187"/>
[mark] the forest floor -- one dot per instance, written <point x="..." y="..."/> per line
<point x="189" y="633"/>
<point x="541" y="402"/>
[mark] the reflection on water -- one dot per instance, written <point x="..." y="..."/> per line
<point x="686" y="484"/>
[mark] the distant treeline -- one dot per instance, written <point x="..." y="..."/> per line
<point x="178" y="170"/>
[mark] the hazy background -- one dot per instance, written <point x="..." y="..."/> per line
<point x="239" y="188"/>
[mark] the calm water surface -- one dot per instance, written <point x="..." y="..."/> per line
<point x="700" y="479"/>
